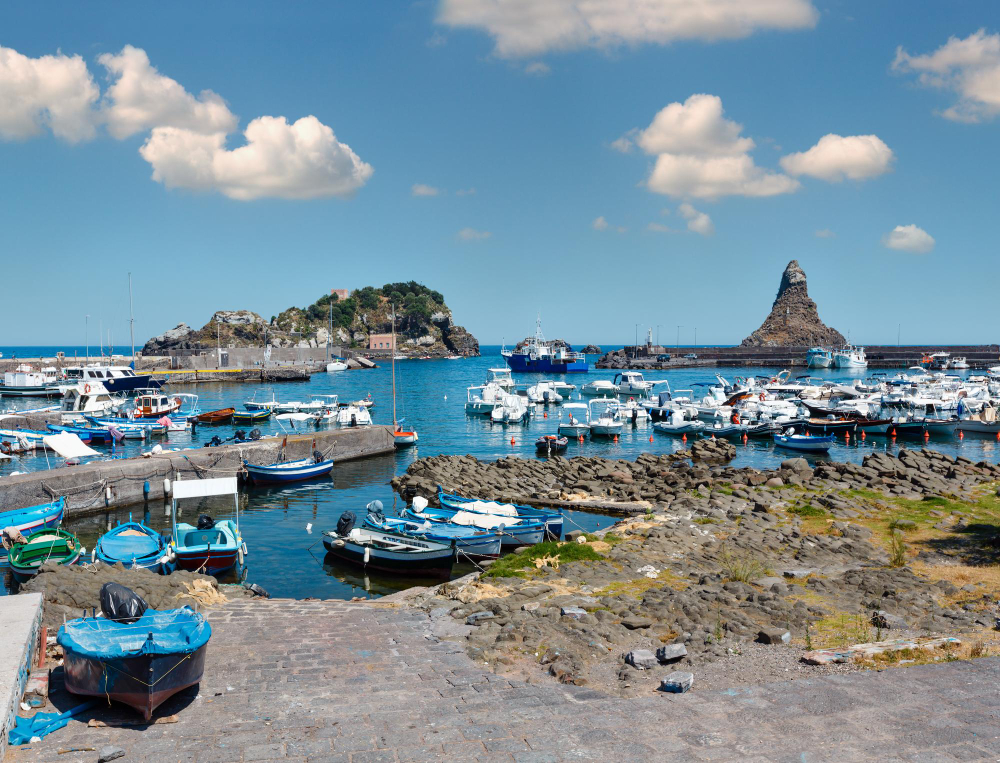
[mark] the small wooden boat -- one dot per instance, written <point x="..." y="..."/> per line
<point x="92" y="435"/>
<point x="873" y="426"/>
<point x="42" y="546"/>
<point x="141" y="664"/>
<point x="221" y="416"/>
<point x="805" y="442"/>
<point x="471" y="541"/>
<point x="830" y="426"/>
<point x="388" y="552"/>
<point x="550" y="443"/>
<point x="288" y="471"/>
<point x="250" y="417"/>
<point x="30" y="519"/>
<point x="213" y="546"/>
<point x="135" y="546"/>
<point x="553" y="519"/>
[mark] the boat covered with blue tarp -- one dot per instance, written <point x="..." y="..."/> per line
<point x="135" y="546"/>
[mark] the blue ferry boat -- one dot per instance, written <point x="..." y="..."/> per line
<point x="538" y="356"/>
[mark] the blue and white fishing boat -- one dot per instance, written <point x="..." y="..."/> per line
<point x="471" y="541"/>
<point x="804" y="442"/>
<point x="87" y="434"/>
<point x="44" y="516"/>
<point x="553" y="519"/>
<point x="129" y="426"/>
<point x="540" y="356"/>
<point x="289" y="471"/>
<point x="31" y="437"/>
<point x="214" y="547"/>
<point x="135" y="546"/>
<point x="514" y="531"/>
<point x="818" y="357"/>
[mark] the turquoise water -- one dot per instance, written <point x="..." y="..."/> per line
<point x="288" y="560"/>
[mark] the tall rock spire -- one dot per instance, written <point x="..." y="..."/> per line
<point x="794" y="320"/>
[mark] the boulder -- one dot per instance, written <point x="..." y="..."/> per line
<point x="677" y="682"/>
<point x="671" y="652"/>
<point x="774" y="636"/>
<point x="642" y="659"/>
<point x="795" y="465"/>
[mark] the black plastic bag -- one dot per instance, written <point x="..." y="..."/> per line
<point x="121" y="604"/>
<point x="346" y="523"/>
<point x="317" y="456"/>
<point x="205" y="522"/>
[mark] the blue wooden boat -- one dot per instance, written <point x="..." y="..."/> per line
<point x="288" y="471"/>
<point x="86" y="434"/>
<point x="141" y="664"/>
<point x="514" y="531"/>
<point x="388" y="552"/>
<point x="804" y="442"/>
<point x="149" y="426"/>
<point x="31" y="518"/>
<point x="249" y="417"/>
<point x="553" y="519"/>
<point x="135" y="546"/>
<point x="471" y="541"/>
<point x="214" y="547"/>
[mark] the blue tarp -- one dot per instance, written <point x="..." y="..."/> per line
<point x="175" y="631"/>
<point x="124" y="543"/>
<point x="42" y="724"/>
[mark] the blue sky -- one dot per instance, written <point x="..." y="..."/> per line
<point x="514" y="123"/>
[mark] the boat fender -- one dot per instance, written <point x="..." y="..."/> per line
<point x="368" y="552"/>
<point x="166" y="486"/>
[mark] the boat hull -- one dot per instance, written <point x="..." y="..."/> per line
<point x="979" y="427"/>
<point x="270" y="475"/>
<point x="42" y="517"/>
<point x="805" y="445"/>
<point x="212" y="562"/>
<point x="143" y="683"/>
<point x="544" y="365"/>
<point x="431" y="563"/>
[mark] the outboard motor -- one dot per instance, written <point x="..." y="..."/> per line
<point x="214" y="442"/>
<point x="205" y="522"/>
<point x="346" y="523"/>
<point x="375" y="511"/>
<point x="354" y="419"/>
<point x="240" y="435"/>
<point x="255" y="434"/>
<point x="419" y="504"/>
<point x="317" y="457"/>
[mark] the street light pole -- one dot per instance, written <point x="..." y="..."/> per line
<point x="635" y="347"/>
<point x="679" y="336"/>
<point x="695" y="336"/>
<point x="86" y="333"/>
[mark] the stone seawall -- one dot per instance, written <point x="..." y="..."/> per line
<point x="96" y="486"/>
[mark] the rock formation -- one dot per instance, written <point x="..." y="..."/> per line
<point x="591" y="349"/>
<point x="794" y="320"/>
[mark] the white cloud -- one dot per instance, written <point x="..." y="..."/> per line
<point x="471" y="234"/>
<point x="537" y="69"/>
<point x="825" y="233"/>
<point x="835" y="158"/>
<point x="969" y="67"/>
<point x="600" y="223"/>
<point x="533" y="27"/>
<point x="54" y="92"/>
<point x="909" y="238"/>
<point x="140" y="98"/>
<point x="622" y="144"/>
<point x="698" y="222"/>
<point x="701" y="154"/>
<point x="659" y="228"/>
<point x="303" y="160"/>
<point x="419" y="189"/>
<point x="465" y="192"/>
<point x="436" y="40"/>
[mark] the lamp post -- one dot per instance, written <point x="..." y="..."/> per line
<point x="658" y="334"/>
<point x="679" y="336"/>
<point x="635" y="347"/>
<point x="86" y="332"/>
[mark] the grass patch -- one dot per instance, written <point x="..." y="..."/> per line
<point x="742" y="568"/>
<point x="523" y="564"/>
<point x="639" y="586"/>
<point x="610" y="538"/>
<point x="807" y="510"/>
<point x="842" y="629"/>
<point x="705" y="521"/>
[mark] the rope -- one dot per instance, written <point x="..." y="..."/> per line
<point x="469" y="558"/>
<point x="134" y="678"/>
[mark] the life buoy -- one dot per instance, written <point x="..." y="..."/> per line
<point x="762" y="397"/>
<point x="86" y="389"/>
<point x="177" y="400"/>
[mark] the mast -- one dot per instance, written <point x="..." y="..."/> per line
<point x="392" y="352"/>
<point x="329" y="331"/>
<point x="131" y="319"/>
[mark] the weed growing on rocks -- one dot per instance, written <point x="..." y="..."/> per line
<point x="741" y="568"/>
<point x="897" y="549"/>
<point x="520" y="565"/>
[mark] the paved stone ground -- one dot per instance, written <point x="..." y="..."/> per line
<point x="333" y="681"/>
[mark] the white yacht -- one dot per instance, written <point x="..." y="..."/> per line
<point x="510" y="409"/>
<point x="482" y="399"/>
<point x="850" y="357"/>
<point x="90" y="399"/>
<point x="354" y="416"/>
<point x="632" y="383"/>
<point x="114" y="378"/>
<point x="576" y="425"/>
<point x="599" y="388"/>
<point x="544" y="392"/>
<point x="605" y="417"/>
<point x="501" y="377"/>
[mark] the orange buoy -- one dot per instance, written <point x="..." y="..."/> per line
<point x="862" y="434"/>
<point x="581" y="438"/>
<point x="616" y="438"/>
<point x="893" y="431"/>
<point x="651" y="438"/>
<point x="927" y="435"/>
<point x="961" y="434"/>
<point x="847" y="436"/>
<point x="545" y="414"/>
<point x="684" y="438"/>
<point x="511" y="440"/>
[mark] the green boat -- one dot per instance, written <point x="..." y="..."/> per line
<point x="40" y="547"/>
<point x="248" y="417"/>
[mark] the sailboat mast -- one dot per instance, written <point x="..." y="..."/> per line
<point x="392" y="352"/>
<point x="131" y="318"/>
<point x="329" y="331"/>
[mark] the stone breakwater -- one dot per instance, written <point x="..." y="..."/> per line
<point x="731" y="573"/>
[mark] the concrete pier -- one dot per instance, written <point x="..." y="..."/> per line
<point x="20" y="623"/>
<point x="100" y="485"/>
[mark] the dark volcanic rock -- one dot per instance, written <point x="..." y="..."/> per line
<point x="794" y="319"/>
<point x="591" y="349"/>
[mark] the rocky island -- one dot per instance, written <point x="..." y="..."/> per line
<point x="423" y="324"/>
<point x="793" y="319"/>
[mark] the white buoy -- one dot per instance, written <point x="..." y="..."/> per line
<point x="309" y="527"/>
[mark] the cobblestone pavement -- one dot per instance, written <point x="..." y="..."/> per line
<point x="333" y="681"/>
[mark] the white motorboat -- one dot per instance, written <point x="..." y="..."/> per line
<point x="678" y="424"/>
<point x="318" y="403"/>
<point x="336" y="365"/>
<point x="577" y="422"/>
<point x="544" y="392"/>
<point x="633" y="410"/>
<point x="632" y="383"/>
<point x="599" y="388"/>
<point x="483" y="399"/>
<point x="850" y="357"/>
<point x="983" y="422"/>
<point x="353" y="416"/>
<point x="958" y="363"/>
<point x="510" y="409"/>
<point x="88" y="398"/>
<point x="261" y="405"/>
<point x="500" y="377"/>
<point x="291" y="406"/>
<point x="605" y="417"/>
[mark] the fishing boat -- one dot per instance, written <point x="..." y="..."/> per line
<point x="46" y="545"/>
<point x="154" y="406"/>
<point x="804" y="442"/>
<point x="130" y="427"/>
<point x="829" y="426"/>
<point x="214" y="547"/>
<point x="289" y="471"/>
<point x="251" y="417"/>
<point x="401" y="437"/>
<point x="93" y="435"/>
<point x="819" y="357"/>
<point x="550" y="443"/>
<point x="471" y="541"/>
<point x="261" y="405"/>
<point x="26" y="382"/>
<point x="850" y="357"/>
<point x="221" y="416"/>
<point x="605" y="418"/>
<point x="30" y="519"/>
<point x="514" y="531"/>
<point x="539" y="356"/>
<point x="553" y="519"/>
<point x="135" y="546"/>
<point x="575" y="426"/>
<point x="388" y="552"/>
<point x="140" y="664"/>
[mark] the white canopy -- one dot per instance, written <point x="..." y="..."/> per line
<point x="206" y="487"/>
<point x="68" y="445"/>
<point x="294" y="416"/>
<point x="574" y="405"/>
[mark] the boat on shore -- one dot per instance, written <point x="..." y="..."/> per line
<point x="471" y="541"/>
<point x="141" y="663"/>
<point x="553" y="519"/>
